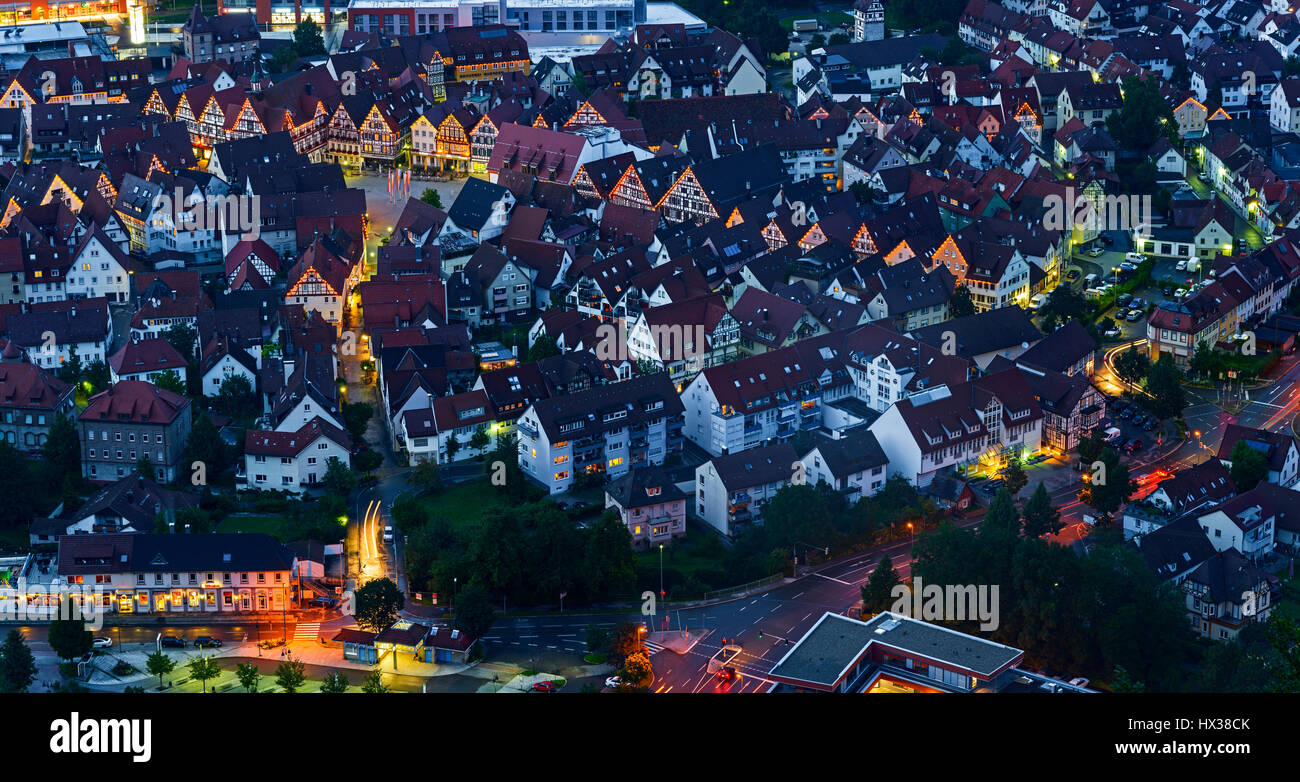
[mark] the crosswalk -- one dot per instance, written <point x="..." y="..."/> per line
<point x="653" y="648"/>
<point x="306" y="631"/>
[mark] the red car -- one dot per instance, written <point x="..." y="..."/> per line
<point x="545" y="687"/>
<point x="728" y="673"/>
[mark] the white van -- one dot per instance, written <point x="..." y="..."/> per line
<point x="1089" y="280"/>
<point x="1113" y="435"/>
<point x="1037" y="302"/>
<point x="388" y="533"/>
<point x="1134" y="257"/>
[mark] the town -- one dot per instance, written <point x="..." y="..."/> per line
<point x="611" y="346"/>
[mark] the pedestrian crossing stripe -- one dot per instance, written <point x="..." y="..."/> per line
<point x="306" y="632"/>
<point x="653" y="648"/>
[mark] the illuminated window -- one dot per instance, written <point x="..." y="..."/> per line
<point x="616" y="461"/>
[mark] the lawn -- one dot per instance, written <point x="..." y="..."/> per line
<point x="271" y="525"/>
<point x="830" y="20"/>
<point x="464" y="504"/>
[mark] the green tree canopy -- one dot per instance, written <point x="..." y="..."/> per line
<point x="376" y="604"/>
<point x="159" y="664"/>
<point x="474" y="613"/>
<point x="878" y="591"/>
<point x="17" y="664"/>
<point x="1249" y="466"/>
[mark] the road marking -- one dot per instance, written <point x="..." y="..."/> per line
<point x="836" y="580"/>
<point x="528" y="636"/>
<point x="796" y="597"/>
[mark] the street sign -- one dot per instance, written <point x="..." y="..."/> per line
<point x="419" y="597"/>
<point x="338" y="590"/>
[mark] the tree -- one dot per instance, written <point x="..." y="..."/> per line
<point x="474" y="613"/>
<point x="1112" y="486"/>
<point x="307" y="39"/>
<point x="72" y="369"/>
<point x="204" y="445"/>
<point x="377" y="603"/>
<point x="453" y="445"/>
<point x="17" y="664"/>
<point x="1039" y="517"/>
<point x="183" y="337"/>
<point x="637" y="672"/>
<point x="628" y="639"/>
<point x="97" y="375"/>
<point x="1164" y="383"/>
<point x="609" y="565"/>
<point x="1284" y="636"/>
<point x="1249" y="466"/>
<point x="1064" y="304"/>
<point x="1133" y="365"/>
<point x="334" y="683"/>
<point x="339" y="479"/>
<point x="169" y="380"/>
<point x="1013" y="475"/>
<point x="68" y="635"/>
<point x="480" y="440"/>
<point x="203" y="669"/>
<point x="248" y="676"/>
<point x="878" y="591"/>
<point x="961" y="305"/>
<point x="356" y="417"/>
<point x="145" y="467"/>
<point x="426" y="476"/>
<point x="543" y="347"/>
<point x="159" y="664"/>
<point x="18" y="506"/>
<point x="1090" y="447"/>
<point x="235" y="394"/>
<point x="62" y="451"/>
<point x="432" y="197"/>
<point x="862" y="192"/>
<point x="374" y="683"/>
<point x="597" y="638"/>
<point x="838" y="39"/>
<point x="1144" y="116"/>
<point x="290" y="675"/>
<point x="817" y="41"/>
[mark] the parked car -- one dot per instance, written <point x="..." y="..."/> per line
<point x="322" y="602"/>
<point x="1128" y="266"/>
<point x="388" y="533"/>
<point x="1072" y="275"/>
<point x="1133" y="446"/>
<point x="171" y="642"/>
<point x="1139" y="303"/>
<point x="207" y="640"/>
<point x="1123" y="299"/>
<point x="1138" y="418"/>
<point x="1113" y="333"/>
<point x="1134" y="316"/>
<point x="1126" y="413"/>
<point x="101" y="642"/>
<point x="545" y="687"/>
<point x="1150" y="425"/>
<point x="1079" y="681"/>
<point x="1134" y="257"/>
<point x="1095" y="252"/>
<point x="1181" y="266"/>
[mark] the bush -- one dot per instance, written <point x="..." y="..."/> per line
<point x="367" y="461"/>
<point x="123" y="668"/>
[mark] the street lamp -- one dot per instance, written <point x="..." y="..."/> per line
<point x="662" y="594"/>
